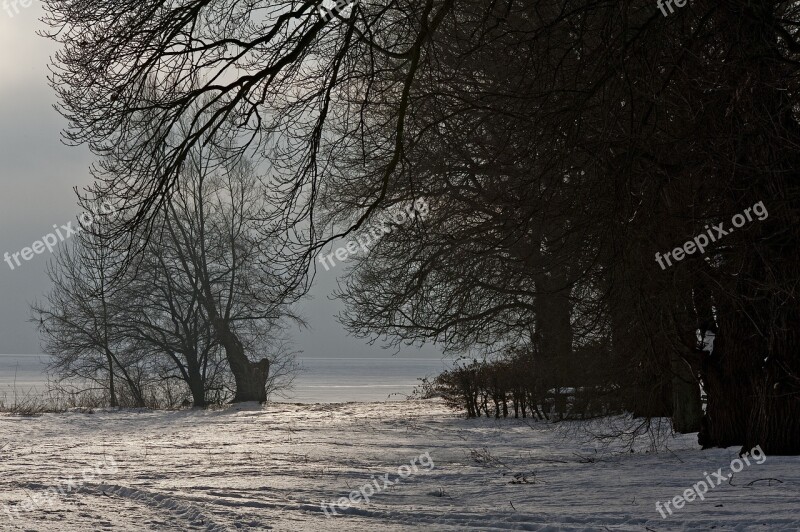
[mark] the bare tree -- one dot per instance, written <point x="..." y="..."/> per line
<point x="220" y="247"/>
<point x="200" y="302"/>
<point x="81" y="317"/>
<point x="163" y="317"/>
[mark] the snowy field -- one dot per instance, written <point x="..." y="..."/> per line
<point x="270" y="468"/>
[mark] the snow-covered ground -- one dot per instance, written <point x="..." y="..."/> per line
<point x="269" y="468"/>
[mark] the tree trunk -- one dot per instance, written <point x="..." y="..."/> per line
<point x="112" y="392"/>
<point x="727" y="379"/>
<point x="687" y="410"/>
<point x="250" y="377"/>
<point x="196" y="384"/>
<point x="554" y="335"/>
<point x="774" y="418"/>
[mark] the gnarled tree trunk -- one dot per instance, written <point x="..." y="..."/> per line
<point x="250" y="377"/>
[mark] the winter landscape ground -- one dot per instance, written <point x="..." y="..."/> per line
<point x="249" y="467"/>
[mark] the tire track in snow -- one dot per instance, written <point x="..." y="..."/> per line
<point x="150" y="499"/>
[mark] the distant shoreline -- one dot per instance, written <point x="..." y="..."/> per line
<point x="322" y="379"/>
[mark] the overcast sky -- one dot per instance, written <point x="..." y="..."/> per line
<point x="37" y="177"/>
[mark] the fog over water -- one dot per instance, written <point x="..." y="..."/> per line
<point x="322" y="380"/>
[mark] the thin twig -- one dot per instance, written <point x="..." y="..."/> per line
<point x="760" y="479"/>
